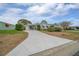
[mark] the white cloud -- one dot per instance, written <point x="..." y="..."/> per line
<point x="28" y="4"/>
<point x="11" y="15"/>
<point x="14" y="11"/>
<point x="11" y="12"/>
<point x="2" y="5"/>
<point x="37" y="12"/>
<point x="75" y="21"/>
<point x="53" y="9"/>
<point x="11" y="19"/>
<point x="36" y="9"/>
<point x="44" y="8"/>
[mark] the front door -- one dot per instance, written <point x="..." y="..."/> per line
<point x="31" y="27"/>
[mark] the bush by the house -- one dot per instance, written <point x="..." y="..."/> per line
<point x="77" y="27"/>
<point x="38" y="27"/>
<point x="50" y="29"/>
<point x="7" y="25"/>
<point x="54" y="29"/>
<point x="57" y="29"/>
<point x="19" y="27"/>
<point x="69" y="28"/>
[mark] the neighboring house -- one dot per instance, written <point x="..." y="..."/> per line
<point x="6" y="26"/>
<point x="75" y="27"/>
<point x="43" y="25"/>
<point x="31" y="26"/>
<point x="28" y="26"/>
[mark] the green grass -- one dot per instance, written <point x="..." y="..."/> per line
<point x="69" y="34"/>
<point x="73" y="31"/>
<point x="9" y="39"/>
<point x="9" y="31"/>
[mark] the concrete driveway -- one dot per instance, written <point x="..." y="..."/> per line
<point x="37" y="42"/>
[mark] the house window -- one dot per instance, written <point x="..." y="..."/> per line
<point x="47" y="26"/>
<point x="7" y="25"/>
<point x="43" y="27"/>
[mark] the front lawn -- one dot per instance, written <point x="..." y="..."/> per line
<point x="9" y="31"/>
<point x="73" y="31"/>
<point x="9" y="39"/>
<point x="70" y="34"/>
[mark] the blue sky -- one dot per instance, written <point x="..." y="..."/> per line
<point x="36" y="12"/>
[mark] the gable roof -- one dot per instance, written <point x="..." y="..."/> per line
<point x="5" y="23"/>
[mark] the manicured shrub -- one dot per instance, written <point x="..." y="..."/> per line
<point x="50" y="29"/>
<point x="19" y="27"/>
<point x="1" y="42"/>
<point x="57" y="29"/>
<point x="70" y="28"/>
<point x="77" y="27"/>
<point x="38" y="27"/>
<point x="54" y="29"/>
<point x="7" y="25"/>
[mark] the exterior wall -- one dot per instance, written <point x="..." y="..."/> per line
<point x="31" y="26"/>
<point x="28" y="26"/>
<point x="44" y="26"/>
<point x="3" y="27"/>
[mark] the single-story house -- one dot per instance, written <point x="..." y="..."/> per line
<point x="6" y="26"/>
<point x="75" y="27"/>
<point x="43" y="25"/>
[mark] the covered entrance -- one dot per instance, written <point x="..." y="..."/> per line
<point x="30" y="27"/>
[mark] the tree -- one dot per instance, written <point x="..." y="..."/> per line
<point x="54" y="29"/>
<point x="65" y="24"/>
<point x="38" y="27"/>
<point x="77" y="27"/>
<point x="57" y="29"/>
<point x="7" y="25"/>
<point x="24" y="21"/>
<point x="44" y="22"/>
<point x="19" y="27"/>
<point x="55" y="24"/>
<point x="50" y="29"/>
